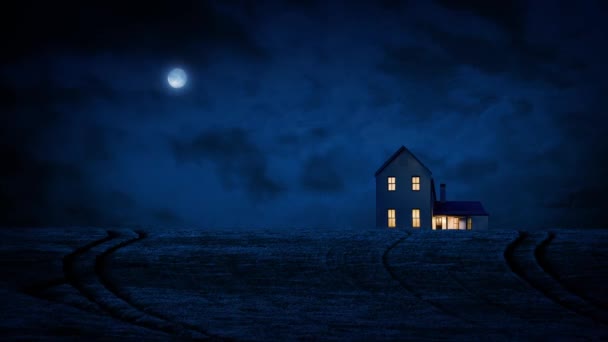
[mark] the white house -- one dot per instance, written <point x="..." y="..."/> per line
<point x="405" y="198"/>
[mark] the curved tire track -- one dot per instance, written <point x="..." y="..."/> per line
<point x="97" y="291"/>
<point x="409" y="289"/>
<point x="37" y="289"/>
<point x="535" y="275"/>
<point x="100" y="271"/>
<point x="541" y="256"/>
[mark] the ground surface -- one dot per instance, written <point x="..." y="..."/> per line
<point x="89" y="283"/>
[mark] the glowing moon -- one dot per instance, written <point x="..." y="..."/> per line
<point x="177" y="78"/>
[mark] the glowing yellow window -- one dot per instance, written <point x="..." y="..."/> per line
<point x="392" y="183"/>
<point x="416" y="218"/>
<point x="392" y="221"/>
<point x="469" y="223"/>
<point x="416" y="183"/>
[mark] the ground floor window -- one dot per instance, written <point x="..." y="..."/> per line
<point x="392" y="220"/>
<point x="416" y="218"/>
<point x="453" y="222"/>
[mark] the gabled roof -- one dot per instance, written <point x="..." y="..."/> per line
<point x="395" y="155"/>
<point x="464" y="208"/>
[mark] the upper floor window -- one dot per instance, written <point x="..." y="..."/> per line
<point x="392" y="183"/>
<point x="416" y="183"/>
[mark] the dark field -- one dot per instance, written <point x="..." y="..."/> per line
<point x="90" y="283"/>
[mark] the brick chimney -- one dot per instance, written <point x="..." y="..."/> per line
<point x="442" y="192"/>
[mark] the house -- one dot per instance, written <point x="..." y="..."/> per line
<point x="406" y="198"/>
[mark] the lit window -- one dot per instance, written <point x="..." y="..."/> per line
<point x="438" y="222"/>
<point x="416" y="218"/>
<point x="452" y="222"/>
<point x="392" y="183"/>
<point x="469" y="223"/>
<point x="392" y="221"/>
<point x="416" y="183"/>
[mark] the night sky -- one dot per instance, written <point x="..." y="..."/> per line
<point x="291" y="107"/>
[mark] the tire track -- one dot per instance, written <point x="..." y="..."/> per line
<point x="97" y="292"/>
<point x="409" y="289"/>
<point x="536" y="277"/>
<point x="44" y="291"/>
<point x="69" y="262"/>
<point x="540" y="253"/>
<point x="40" y="289"/>
<point x="541" y="256"/>
<point x="37" y="289"/>
<point x="100" y="271"/>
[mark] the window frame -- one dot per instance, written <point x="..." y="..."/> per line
<point x="416" y="219"/>
<point x="393" y="218"/>
<point x="394" y="183"/>
<point x="416" y="185"/>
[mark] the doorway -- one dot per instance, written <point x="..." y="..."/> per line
<point x="438" y="222"/>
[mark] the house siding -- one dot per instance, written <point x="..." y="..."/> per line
<point x="403" y="200"/>
<point x="480" y="222"/>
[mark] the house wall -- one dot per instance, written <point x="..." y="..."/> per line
<point x="404" y="199"/>
<point x="480" y="222"/>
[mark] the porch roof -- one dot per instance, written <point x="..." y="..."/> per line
<point x="464" y="208"/>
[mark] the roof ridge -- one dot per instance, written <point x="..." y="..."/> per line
<point x="395" y="155"/>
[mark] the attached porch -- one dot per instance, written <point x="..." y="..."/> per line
<point x="452" y="222"/>
<point x="459" y="215"/>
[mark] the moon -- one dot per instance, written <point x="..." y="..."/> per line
<point x="177" y="78"/>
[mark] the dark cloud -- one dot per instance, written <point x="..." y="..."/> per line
<point x="304" y="4"/>
<point x="37" y="193"/>
<point x="579" y="126"/>
<point x="322" y="173"/>
<point x="167" y="217"/>
<point x="94" y="27"/>
<point x="393" y="5"/>
<point x="311" y="136"/>
<point x="83" y="214"/>
<point x="518" y="60"/>
<point x="593" y="197"/>
<point x="418" y="64"/>
<point x="43" y="185"/>
<point x="41" y="92"/>
<point x="97" y="141"/>
<point x="84" y="110"/>
<point x="319" y="133"/>
<point x="239" y="161"/>
<point x="314" y="100"/>
<point x="429" y="67"/>
<point x="522" y="107"/>
<point x="424" y="100"/>
<point x="472" y="171"/>
<point x="26" y="188"/>
<point x="380" y="96"/>
<point x="508" y="15"/>
<point x="95" y="208"/>
<point x="121" y="199"/>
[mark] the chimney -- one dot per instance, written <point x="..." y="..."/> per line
<point x="442" y="192"/>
